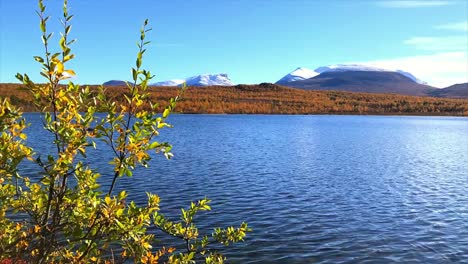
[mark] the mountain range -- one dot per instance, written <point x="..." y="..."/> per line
<point x="341" y="77"/>
<point x="220" y="79"/>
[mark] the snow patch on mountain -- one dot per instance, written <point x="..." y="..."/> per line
<point x="348" y="67"/>
<point x="360" y="67"/>
<point x="411" y="76"/>
<point x="221" y="79"/>
<point x="297" y="75"/>
<point x="209" y="79"/>
<point x="175" y="82"/>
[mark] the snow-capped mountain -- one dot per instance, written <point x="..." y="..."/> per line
<point x="200" y="80"/>
<point x="297" y="75"/>
<point x="388" y="82"/>
<point x="209" y="79"/>
<point x="304" y="73"/>
<point x="363" y="78"/>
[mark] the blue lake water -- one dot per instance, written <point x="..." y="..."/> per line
<point x="316" y="189"/>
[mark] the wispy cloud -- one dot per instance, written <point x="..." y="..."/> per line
<point x="447" y="62"/>
<point x="449" y="43"/>
<point x="412" y="3"/>
<point x="460" y="26"/>
<point x="439" y="69"/>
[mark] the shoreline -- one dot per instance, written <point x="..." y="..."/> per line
<point x="311" y="114"/>
<point x="274" y="100"/>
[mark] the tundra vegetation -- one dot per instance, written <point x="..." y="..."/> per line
<point x="62" y="214"/>
<point x="274" y="99"/>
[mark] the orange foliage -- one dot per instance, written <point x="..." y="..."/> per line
<point x="274" y="99"/>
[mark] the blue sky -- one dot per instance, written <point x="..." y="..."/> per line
<point x="251" y="40"/>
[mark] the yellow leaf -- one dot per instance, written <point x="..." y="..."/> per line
<point x="59" y="67"/>
<point x="69" y="57"/>
<point x="147" y="246"/>
<point x="166" y="113"/>
<point x="71" y="72"/>
<point x="107" y="200"/>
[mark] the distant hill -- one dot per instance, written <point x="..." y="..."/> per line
<point x="114" y="83"/>
<point x="455" y="91"/>
<point x="388" y="82"/>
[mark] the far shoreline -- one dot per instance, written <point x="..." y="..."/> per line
<point x="312" y="114"/>
<point x="272" y="100"/>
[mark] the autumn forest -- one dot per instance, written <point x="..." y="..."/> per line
<point x="268" y="98"/>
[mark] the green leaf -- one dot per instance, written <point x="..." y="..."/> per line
<point x="121" y="171"/>
<point x="55" y="55"/>
<point x="122" y="195"/>
<point x="39" y="59"/>
<point x="43" y="26"/>
<point x="134" y="74"/>
<point x="45" y="75"/>
<point x="19" y="77"/>
<point x="41" y="6"/>
<point x="62" y="43"/>
<point x="138" y="62"/>
<point x="71" y="42"/>
<point x="154" y="145"/>
<point x="65" y="11"/>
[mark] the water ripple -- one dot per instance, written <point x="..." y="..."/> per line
<point x="319" y="189"/>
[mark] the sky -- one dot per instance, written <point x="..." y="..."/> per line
<point x="253" y="41"/>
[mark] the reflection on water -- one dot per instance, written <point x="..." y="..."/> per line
<point x="322" y="189"/>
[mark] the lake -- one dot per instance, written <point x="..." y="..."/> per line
<point x="316" y="189"/>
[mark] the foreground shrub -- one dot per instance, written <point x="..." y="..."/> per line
<point x="63" y="215"/>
